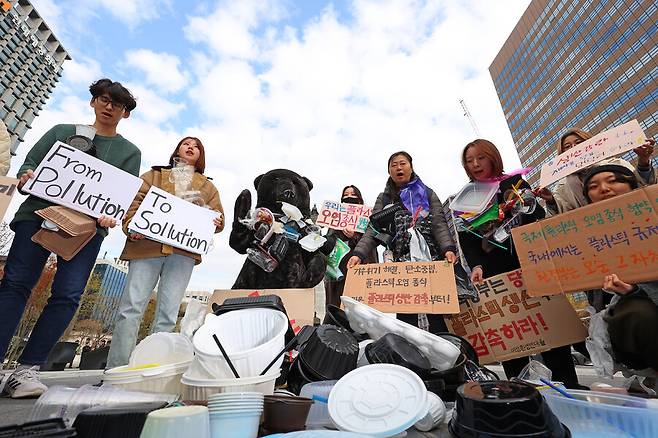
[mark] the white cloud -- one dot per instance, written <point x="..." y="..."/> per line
<point x="151" y="106"/>
<point x="82" y="71"/>
<point x="161" y="69"/>
<point x="134" y="12"/>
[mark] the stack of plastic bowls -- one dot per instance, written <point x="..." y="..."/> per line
<point x="235" y="415"/>
<point x="177" y="422"/>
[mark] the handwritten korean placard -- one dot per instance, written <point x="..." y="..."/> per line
<point x="411" y="287"/>
<point x="604" y="145"/>
<point x="507" y="323"/>
<point x="343" y="216"/>
<point x="573" y="251"/>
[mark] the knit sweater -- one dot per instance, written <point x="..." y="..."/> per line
<point x="116" y="151"/>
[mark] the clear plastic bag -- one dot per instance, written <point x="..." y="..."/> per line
<point x="419" y="251"/>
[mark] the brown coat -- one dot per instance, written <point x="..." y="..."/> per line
<point x="159" y="177"/>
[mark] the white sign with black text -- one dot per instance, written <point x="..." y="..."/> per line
<point x="72" y="178"/>
<point x="165" y="218"/>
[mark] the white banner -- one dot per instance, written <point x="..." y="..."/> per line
<point x="75" y="179"/>
<point x="165" y="218"/>
<point x="607" y="144"/>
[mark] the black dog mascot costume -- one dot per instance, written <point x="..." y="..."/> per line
<point x="296" y="267"/>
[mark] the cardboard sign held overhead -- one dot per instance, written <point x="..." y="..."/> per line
<point x="409" y="287"/>
<point x="299" y="303"/>
<point x="506" y="323"/>
<point x="74" y="179"/>
<point x="604" y="145"/>
<point x="7" y="190"/>
<point x="575" y="250"/>
<point x="342" y="216"/>
<point x="169" y="219"/>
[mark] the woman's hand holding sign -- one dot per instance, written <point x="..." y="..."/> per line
<point x="218" y="221"/>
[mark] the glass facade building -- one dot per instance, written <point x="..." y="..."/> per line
<point x="111" y="275"/>
<point x="586" y="64"/>
<point x="31" y="61"/>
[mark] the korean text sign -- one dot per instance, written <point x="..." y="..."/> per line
<point x="604" y="145"/>
<point x="342" y="216"/>
<point x="507" y="323"/>
<point x="168" y="219"/>
<point x="75" y="179"/>
<point x="406" y="287"/>
<point x="574" y="251"/>
<point x="7" y="190"/>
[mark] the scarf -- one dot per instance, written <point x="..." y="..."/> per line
<point x="414" y="195"/>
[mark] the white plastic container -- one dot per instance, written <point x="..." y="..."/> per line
<point x="164" y="378"/>
<point x="441" y="353"/>
<point x="192" y="421"/>
<point x="318" y="415"/>
<point x="202" y="389"/>
<point x="436" y="413"/>
<point x="163" y="349"/>
<point x="474" y="197"/>
<point x="250" y="337"/>
<point x="381" y="400"/>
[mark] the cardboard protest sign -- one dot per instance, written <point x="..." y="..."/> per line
<point x="405" y="287"/>
<point x="575" y="250"/>
<point x="342" y="216"/>
<point x="506" y="323"/>
<point x="604" y="145"/>
<point x="169" y="219"/>
<point x="299" y="303"/>
<point x="7" y="190"/>
<point x="75" y="179"/>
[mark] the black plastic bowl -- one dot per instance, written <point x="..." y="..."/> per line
<point x="396" y="350"/>
<point x="503" y="409"/>
<point x="330" y="352"/>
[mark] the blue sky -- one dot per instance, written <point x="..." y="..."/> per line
<point x="328" y="89"/>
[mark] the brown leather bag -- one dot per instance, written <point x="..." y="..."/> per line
<point x="74" y="231"/>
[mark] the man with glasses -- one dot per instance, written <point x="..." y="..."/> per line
<point x="111" y="102"/>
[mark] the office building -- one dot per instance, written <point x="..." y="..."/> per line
<point x="580" y="64"/>
<point x="31" y="61"/>
<point x="109" y="276"/>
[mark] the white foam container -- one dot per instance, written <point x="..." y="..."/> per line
<point x="202" y="389"/>
<point x="164" y="378"/>
<point x="250" y="337"/>
<point x="441" y="353"/>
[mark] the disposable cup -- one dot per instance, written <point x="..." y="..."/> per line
<point x="85" y="131"/>
<point x="177" y="422"/>
<point x="234" y="425"/>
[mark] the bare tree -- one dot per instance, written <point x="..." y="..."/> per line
<point x="6" y="238"/>
<point x="33" y="308"/>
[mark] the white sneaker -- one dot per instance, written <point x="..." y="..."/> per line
<point x="24" y="383"/>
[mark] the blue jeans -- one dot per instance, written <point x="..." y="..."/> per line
<point x="25" y="262"/>
<point x="174" y="272"/>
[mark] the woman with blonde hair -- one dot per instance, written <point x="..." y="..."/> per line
<point x="568" y="194"/>
<point x="487" y="257"/>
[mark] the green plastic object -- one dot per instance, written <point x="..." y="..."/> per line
<point x="333" y="261"/>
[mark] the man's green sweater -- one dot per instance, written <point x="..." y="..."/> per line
<point x="116" y="151"/>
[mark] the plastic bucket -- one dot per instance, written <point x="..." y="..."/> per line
<point x="251" y="338"/>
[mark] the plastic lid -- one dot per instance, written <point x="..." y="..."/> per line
<point x="163" y="349"/>
<point x="380" y="400"/>
<point x="474" y="197"/>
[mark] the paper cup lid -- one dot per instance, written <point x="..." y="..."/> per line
<point x="381" y="400"/>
